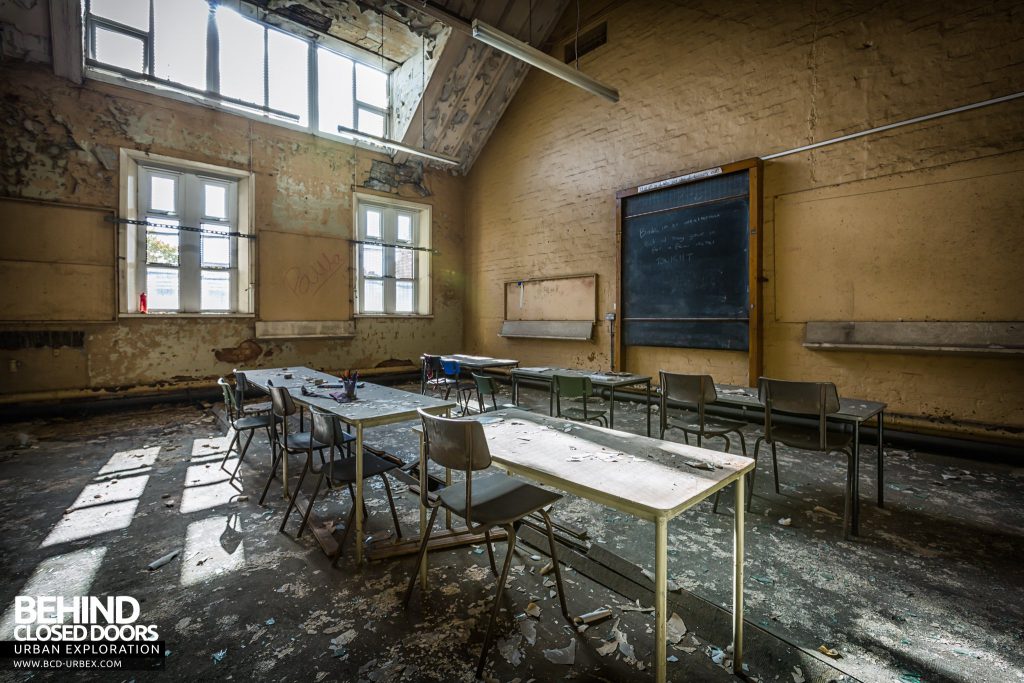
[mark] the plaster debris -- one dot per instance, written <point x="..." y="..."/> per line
<point x="509" y="649"/>
<point x="218" y="657"/>
<point x="156" y="564"/>
<point x="676" y="628"/>
<point x="798" y="675"/>
<point x="786" y="521"/>
<point x="828" y="651"/>
<point x="533" y="609"/>
<point x="529" y="629"/>
<point x="565" y="655"/>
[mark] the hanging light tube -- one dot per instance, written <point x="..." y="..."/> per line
<point x="512" y="46"/>
<point x="397" y="146"/>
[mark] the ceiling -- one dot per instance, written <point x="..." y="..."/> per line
<point x="448" y="90"/>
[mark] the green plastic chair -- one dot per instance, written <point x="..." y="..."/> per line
<point x="487" y="386"/>
<point x="576" y="387"/>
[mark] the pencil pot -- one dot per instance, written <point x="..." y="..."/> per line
<point x="350" y="388"/>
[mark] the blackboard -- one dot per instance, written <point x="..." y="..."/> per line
<point x="685" y="264"/>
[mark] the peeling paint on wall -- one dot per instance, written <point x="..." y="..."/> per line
<point x="246" y="352"/>
<point x="387" y="177"/>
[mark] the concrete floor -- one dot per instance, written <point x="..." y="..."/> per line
<point x="929" y="592"/>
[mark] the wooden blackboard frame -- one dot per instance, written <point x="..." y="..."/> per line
<point x="755" y="169"/>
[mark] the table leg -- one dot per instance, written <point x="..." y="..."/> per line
<point x="358" y="502"/>
<point x="660" y="598"/>
<point x="855" y="513"/>
<point x="737" y="577"/>
<point x="611" y="408"/>
<point x="423" y="377"/>
<point x="881" y="455"/>
<point x="551" y="397"/>
<point x="648" y="408"/>
<point x="424" y="482"/>
<point x="515" y="389"/>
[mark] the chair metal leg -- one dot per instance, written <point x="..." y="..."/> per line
<point x="511" y="531"/>
<point x="490" y="551"/>
<point x="309" y="504"/>
<point x="419" y="557"/>
<point x="775" y="467"/>
<point x="554" y="564"/>
<point x="241" y="456"/>
<point x="728" y="444"/>
<point x="275" y="460"/>
<point x="753" y="472"/>
<point x="344" y="535"/>
<point x="391" y="503"/>
<point x="850" y="492"/>
<point x="227" y="453"/>
<point x="293" y="501"/>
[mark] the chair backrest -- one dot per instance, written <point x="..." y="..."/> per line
<point x="484" y="386"/>
<point x="450" y="368"/>
<point x="572" y="386"/>
<point x="817" y="399"/>
<point x="230" y="400"/>
<point x="282" y="402"/>
<point x="324" y="427"/>
<point x="458" y="445"/>
<point x="240" y="385"/>
<point x="693" y="391"/>
<point x="432" y="366"/>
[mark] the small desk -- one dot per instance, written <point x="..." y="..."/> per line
<point x="376" y="405"/>
<point x="611" y="382"/>
<point x="467" y="362"/>
<point x="853" y="411"/>
<point x="616" y="469"/>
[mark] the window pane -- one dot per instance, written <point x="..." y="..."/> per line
<point x="162" y="246"/>
<point x="215" y="291"/>
<point x="405" y="263"/>
<point x="179" y="36"/>
<point x="373" y="296"/>
<point x="404" y="228"/>
<point x="371" y="122"/>
<point x="134" y="13"/>
<point x="403" y="297"/>
<point x="288" y="71"/>
<point x="162" y="289"/>
<point x="373" y="224"/>
<point x="119" y="49"/>
<point x="162" y="194"/>
<point x="216" y="252"/>
<point x="371" y="86"/>
<point x="216" y="205"/>
<point x="373" y="260"/>
<point x="334" y="90"/>
<point x="241" y="56"/>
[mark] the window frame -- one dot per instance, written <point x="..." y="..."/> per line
<point x="147" y="81"/>
<point x="136" y="167"/>
<point x="420" y="244"/>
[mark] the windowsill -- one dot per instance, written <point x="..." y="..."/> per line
<point x="398" y="316"/>
<point x="171" y="316"/>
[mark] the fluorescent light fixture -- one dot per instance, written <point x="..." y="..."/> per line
<point x="512" y="46"/>
<point x="397" y="146"/>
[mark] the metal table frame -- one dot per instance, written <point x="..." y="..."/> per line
<point x="610" y="382"/>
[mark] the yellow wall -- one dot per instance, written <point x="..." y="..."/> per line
<point x="60" y="146"/>
<point x="918" y="223"/>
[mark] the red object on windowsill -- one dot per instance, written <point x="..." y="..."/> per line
<point x="142" y="303"/>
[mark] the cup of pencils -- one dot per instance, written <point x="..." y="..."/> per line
<point x="348" y="381"/>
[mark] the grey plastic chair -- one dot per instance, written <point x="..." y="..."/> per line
<point x="807" y="399"/>
<point x="695" y="392"/>
<point x="487" y="386"/>
<point x="574" y="386"/>
<point x="496" y="500"/>
<point x="241" y="384"/>
<point x="240" y="423"/>
<point x="433" y="377"/>
<point x="284" y="442"/>
<point x="327" y="430"/>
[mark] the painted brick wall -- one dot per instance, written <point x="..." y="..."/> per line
<point x="705" y="83"/>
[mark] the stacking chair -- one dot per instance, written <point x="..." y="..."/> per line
<point x="486" y="386"/>
<point x="240" y="422"/>
<point x="434" y="377"/>
<point x="325" y="430"/>
<point x="807" y="399"/>
<point x="496" y="500"/>
<point x="573" y="386"/>
<point x="285" y="443"/>
<point x="463" y="389"/>
<point x="695" y="392"/>
<point x="248" y="408"/>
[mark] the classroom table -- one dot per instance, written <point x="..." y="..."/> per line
<point x="852" y="411"/>
<point x="375" y="405"/>
<point x="618" y="470"/>
<point x="608" y="380"/>
<point x="466" y="362"/>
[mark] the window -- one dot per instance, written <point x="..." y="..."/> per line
<point x="240" y="64"/>
<point x="186" y="244"/>
<point x="393" y="257"/>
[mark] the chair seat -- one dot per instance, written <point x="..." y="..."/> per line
<point x="253" y="422"/>
<point x="343" y="470"/>
<point x="807" y="439"/>
<point x="251" y="408"/>
<point x="713" y="427"/>
<point x="497" y="499"/>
